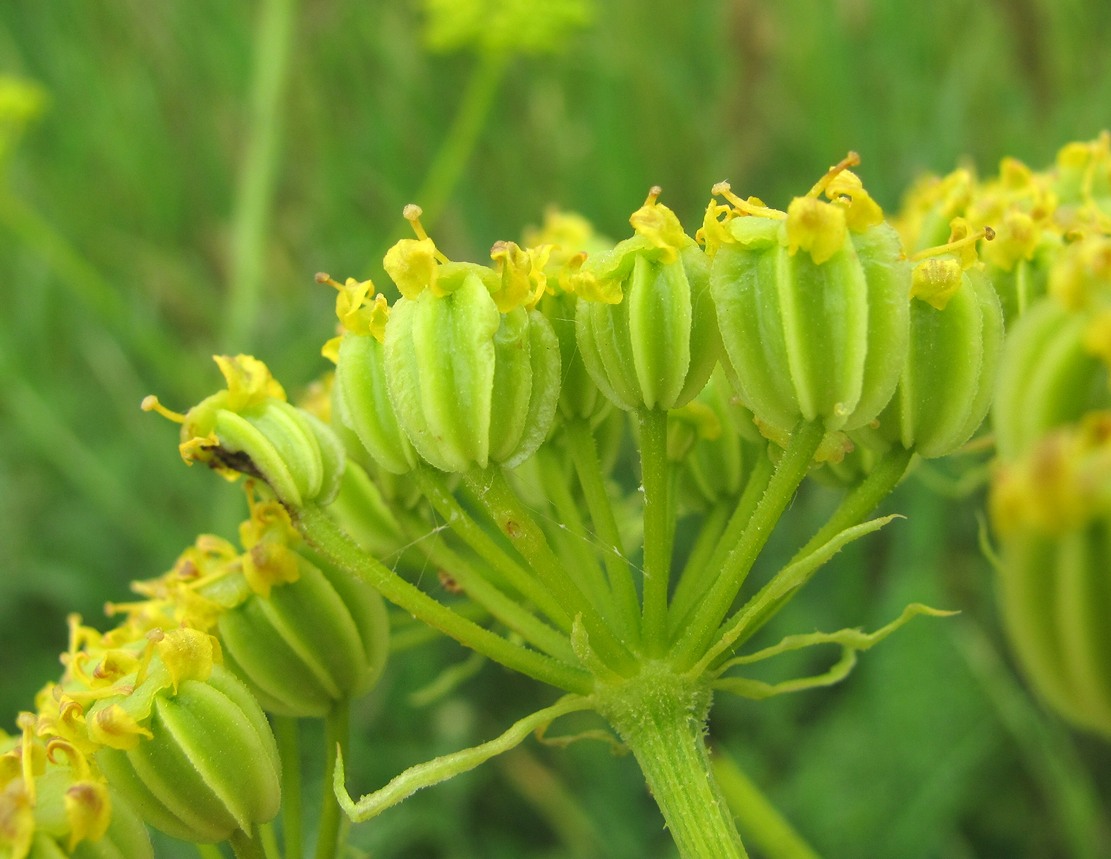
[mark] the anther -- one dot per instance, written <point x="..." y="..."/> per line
<point x="412" y="213"/>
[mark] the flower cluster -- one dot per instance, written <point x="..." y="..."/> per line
<point x="1049" y="499"/>
<point x="160" y="720"/>
<point x="480" y="425"/>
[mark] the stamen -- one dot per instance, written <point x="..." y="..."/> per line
<point x="850" y="160"/>
<point x="723" y="189"/>
<point x="151" y="404"/>
<point x="987" y="233"/>
<point x="153" y="637"/>
<point x="323" y="277"/>
<point x="653" y="195"/>
<point x="412" y="213"/>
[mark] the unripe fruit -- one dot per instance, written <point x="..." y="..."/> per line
<point x="645" y="323"/>
<point x="956" y="335"/>
<point x="812" y="306"/>
<point x="249" y="428"/>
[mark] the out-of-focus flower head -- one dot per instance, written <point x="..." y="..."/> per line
<point x="21" y="103"/>
<point x="504" y="26"/>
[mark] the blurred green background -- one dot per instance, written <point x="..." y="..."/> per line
<point x="197" y="162"/>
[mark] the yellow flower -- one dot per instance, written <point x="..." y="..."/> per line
<point x="187" y="654"/>
<point x="587" y="284"/>
<point x="816" y="227"/>
<point x="658" y="224"/>
<point x="521" y="273"/>
<point x="1060" y="485"/>
<point x="359" y="309"/>
<point x="935" y="281"/>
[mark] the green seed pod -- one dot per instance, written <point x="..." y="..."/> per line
<point x="366" y="407"/>
<point x="312" y="644"/>
<point x="249" y="428"/>
<point x="956" y="334"/>
<point x="1052" y="512"/>
<point x="360" y="400"/>
<point x="812" y="305"/>
<point x="472" y="372"/>
<point x="645" y="323"/>
<point x="302" y="635"/>
<point x="188" y="747"/>
<point x="1049" y="375"/>
<point x="570" y="239"/>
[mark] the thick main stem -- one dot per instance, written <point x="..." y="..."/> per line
<point x="661" y="717"/>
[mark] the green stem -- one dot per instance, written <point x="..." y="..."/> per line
<point x="81" y="278"/>
<point x="474" y="107"/>
<point x="287" y="733"/>
<point x="336" y="735"/>
<point x="408" y="633"/>
<point x="854" y="507"/>
<point x="714" y="606"/>
<point x="269" y="840"/>
<point x="697" y="579"/>
<point x="555" y="802"/>
<point x="246" y="846"/>
<point x="584" y="453"/>
<point x="580" y="559"/>
<point x="710" y="531"/>
<point x="657" y="533"/>
<point x="662" y="719"/>
<point x="457" y="144"/>
<point x="514" y="574"/>
<point x="319" y="529"/>
<point x="761" y="821"/>
<point x="209" y="851"/>
<point x="255" y="194"/>
<point x="43" y="428"/>
<point x="505" y="609"/>
<point x="489" y="486"/>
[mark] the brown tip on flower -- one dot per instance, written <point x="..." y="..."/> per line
<point x="326" y="279"/>
<point x="989" y="234"/>
<point x="720" y="188"/>
<point x="412" y="213"/>
<point x="653" y="195"/>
